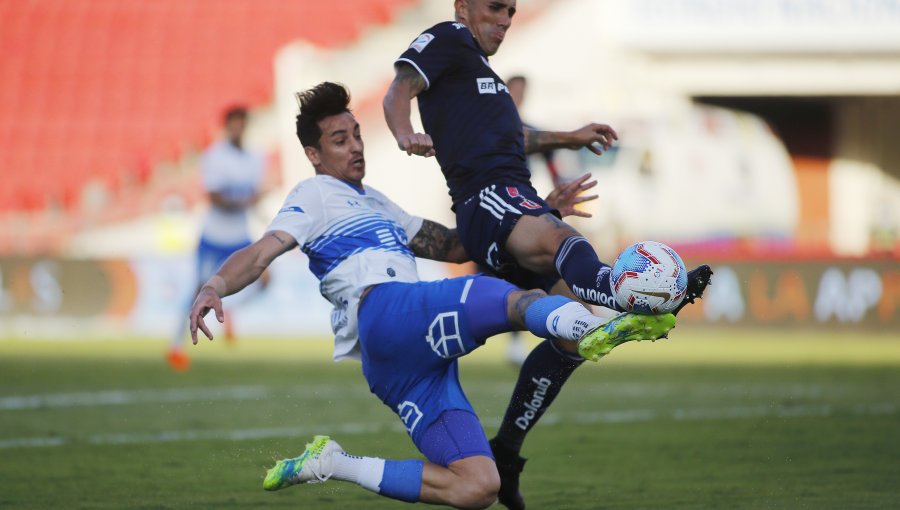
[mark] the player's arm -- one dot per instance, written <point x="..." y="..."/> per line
<point x="407" y="84"/>
<point x="437" y="242"/>
<point x="242" y="268"/>
<point x="596" y="137"/>
<point x="566" y="196"/>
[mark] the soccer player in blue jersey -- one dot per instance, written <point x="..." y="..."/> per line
<point x="473" y="128"/>
<point x="407" y="333"/>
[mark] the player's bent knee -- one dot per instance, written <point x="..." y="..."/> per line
<point x="534" y="241"/>
<point x="478" y="483"/>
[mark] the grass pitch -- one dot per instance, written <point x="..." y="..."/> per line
<point x="707" y="420"/>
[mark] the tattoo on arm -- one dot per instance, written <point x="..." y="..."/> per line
<point x="278" y="238"/>
<point x="540" y="141"/>
<point x="408" y="74"/>
<point x="434" y="241"/>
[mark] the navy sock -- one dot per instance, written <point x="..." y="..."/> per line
<point x="542" y="377"/>
<point x="584" y="273"/>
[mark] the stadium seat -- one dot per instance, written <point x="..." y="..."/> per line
<point x="105" y="90"/>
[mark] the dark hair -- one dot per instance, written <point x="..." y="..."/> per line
<point x="517" y="77"/>
<point x="234" y="112"/>
<point x="323" y="100"/>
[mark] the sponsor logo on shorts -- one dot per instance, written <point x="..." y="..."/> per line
<point x="537" y="401"/>
<point x="444" y="337"/>
<point x="493" y="257"/>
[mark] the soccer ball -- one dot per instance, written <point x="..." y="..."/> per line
<point x="648" y="277"/>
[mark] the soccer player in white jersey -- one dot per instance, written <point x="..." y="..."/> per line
<point x="407" y="333"/>
<point x="232" y="178"/>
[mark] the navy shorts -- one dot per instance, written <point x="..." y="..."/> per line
<point x="411" y="335"/>
<point x="484" y="222"/>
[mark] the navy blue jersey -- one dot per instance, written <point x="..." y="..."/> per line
<point x="467" y="110"/>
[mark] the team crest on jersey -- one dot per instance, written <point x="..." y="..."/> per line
<point x="421" y="41"/>
<point x="458" y="26"/>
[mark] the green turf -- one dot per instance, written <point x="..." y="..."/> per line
<point x="706" y="420"/>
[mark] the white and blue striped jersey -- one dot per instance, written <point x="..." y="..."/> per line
<point x="236" y="173"/>
<point x="353" y="239"/>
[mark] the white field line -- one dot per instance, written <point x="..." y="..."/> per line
<point x="123" y="397"/>
<point x="117" y="397"/>
<point x="550" y="419"/>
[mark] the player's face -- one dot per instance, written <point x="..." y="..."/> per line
<point x="340" y="151"/>
<point x="488" y="20"/>
<point x="234" y="129"/>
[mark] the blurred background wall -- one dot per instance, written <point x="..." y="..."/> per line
<point x="756" y="135"/>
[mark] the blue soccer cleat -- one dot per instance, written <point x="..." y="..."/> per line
<point x="314" y="465"/>
<point x="622" y="328"/>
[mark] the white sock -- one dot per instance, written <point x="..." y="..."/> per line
<point x="365" y="471"/>
<point x="571" y="320"/>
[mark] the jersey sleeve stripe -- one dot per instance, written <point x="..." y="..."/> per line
<point x="410" y="62"/>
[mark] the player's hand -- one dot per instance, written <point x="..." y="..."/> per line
<point x="596" y="137"/>
<point x="567" y="195"/>
<point x="206" y="300"/>
<point x="419" y="144"/>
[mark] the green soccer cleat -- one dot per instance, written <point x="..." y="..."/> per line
<point x="622" y="328"/>
<point x="314" y="465"/>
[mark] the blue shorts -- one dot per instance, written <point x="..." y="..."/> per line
<point x="484" y="222"/>
<point x="411" y="335"/>
<point x="211" y="256"/>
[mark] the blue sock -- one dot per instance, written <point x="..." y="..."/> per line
<point x="402" y="479"/>
<point x="584" y="273"/>
<point x="537" y="313"/>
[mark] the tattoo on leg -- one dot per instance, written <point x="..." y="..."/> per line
<point x="558" y="223"/>
<point x="527" y="299"/>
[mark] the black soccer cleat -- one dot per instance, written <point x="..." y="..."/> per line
<point x="509" y="466"/>
<point x="698" y="279"/>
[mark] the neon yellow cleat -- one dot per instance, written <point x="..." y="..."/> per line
<point x="623" y="328"/>
<point x="314" y="465"/>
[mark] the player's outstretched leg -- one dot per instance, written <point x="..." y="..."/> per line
<point x="324" y="459"/>
<point x="314" y="465"/>
<point x="622" y="328"/>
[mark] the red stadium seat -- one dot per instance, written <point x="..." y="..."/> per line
<point x="106" y="89"/>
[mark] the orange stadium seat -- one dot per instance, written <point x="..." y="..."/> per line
<point x="104" y="89"/>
